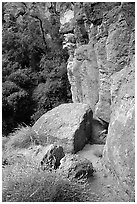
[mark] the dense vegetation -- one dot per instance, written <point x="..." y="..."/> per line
<point x="34" y="75"/>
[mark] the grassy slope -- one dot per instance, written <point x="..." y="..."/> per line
<point x="23" y="181"/>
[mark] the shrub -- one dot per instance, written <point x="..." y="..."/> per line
<point x="20" y="78"/>
<point x="9" y="87"/>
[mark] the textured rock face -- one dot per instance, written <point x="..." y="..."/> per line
<point x="52" y="156"/>
<point x="99" y="132"/>
<point x="102" y="108"/>
<point x="110" y="30"/>
<point x="101" y="74"/>
<point x="74" y="166"/>
<point x="119" y="151"/>
<point x="68" y="125"/>
<point x="67" y="22"/>
<point x="83" y="76"/>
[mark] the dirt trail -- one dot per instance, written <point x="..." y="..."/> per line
<point x="103" y="187"/>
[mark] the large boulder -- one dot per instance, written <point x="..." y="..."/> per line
<point x="75" y="167"/>
<point x="68" y="125"/>
<point x="119" y="152"/>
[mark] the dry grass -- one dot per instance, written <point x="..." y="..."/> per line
<point x="21" y="138"/>
<point x="25" y="182"/>
<point x="24" y="137"/>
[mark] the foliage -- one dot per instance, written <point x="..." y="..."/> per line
<point x="15" y="105"/>
<point x="34" y="70"/>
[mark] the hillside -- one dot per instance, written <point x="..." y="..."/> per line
<point x="71" y="75"/>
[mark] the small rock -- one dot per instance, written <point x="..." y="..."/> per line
<point x="74" y="166"/>
<point x="52" y="156"/>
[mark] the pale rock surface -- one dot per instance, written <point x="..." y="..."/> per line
<point x="83" y="76"/>
<point x="68" y="125"/>
<point x="101" y="74"/>
<point x="119" y="153"/>
<point x="102" y="109"/>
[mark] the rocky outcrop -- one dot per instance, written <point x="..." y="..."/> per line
<point x="83" y="76"/>
<point x="90" y="66"/>
<point x="68" y="125"/>
<point x="101" y="74"/>
<point x="76" y="167"/>
<point x="119" y="152"/>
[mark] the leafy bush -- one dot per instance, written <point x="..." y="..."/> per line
<point x="9" y="87"/>
<point x="33" y="65"/>
<point x="20" y="78"/>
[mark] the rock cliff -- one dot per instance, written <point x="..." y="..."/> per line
<point x="92" y="140"/>
<point x="100" y="38"/>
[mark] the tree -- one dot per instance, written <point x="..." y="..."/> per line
<point x="34" y="63"/>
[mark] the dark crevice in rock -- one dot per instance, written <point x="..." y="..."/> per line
<point x="85" y="128"/>
<point x="99" y="131"/>
<point x="97" y="22"/>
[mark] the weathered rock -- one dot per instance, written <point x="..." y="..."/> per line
<point x="67" y="21"/>
<point x="102" y="109"/>
<point x="119" y="151"/>
<point x="110" y="41"/>
<point x="51" y="156"/>
<point x="101" y="74"/>
<point x="74" y="166"/>
<point x="83" y="76"/>
<point x="68" y="125"/>
<point x="117" y="46"/>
